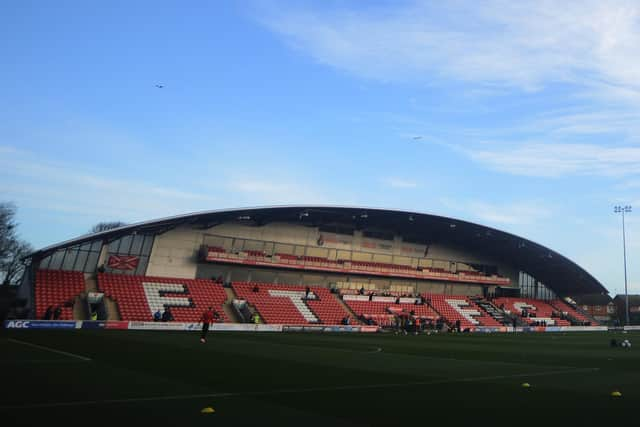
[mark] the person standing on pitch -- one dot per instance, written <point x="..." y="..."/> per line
<point x="206" y="319"/>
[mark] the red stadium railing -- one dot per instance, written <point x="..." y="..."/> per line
<point x="259" y="258"/>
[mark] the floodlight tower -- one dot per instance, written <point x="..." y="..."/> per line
<point x="622" y="210"/>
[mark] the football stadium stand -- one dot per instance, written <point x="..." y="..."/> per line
<point x="56" y="288"/>
<point x="532" y="311"/>
<point x="450" y="307"/>
<point x="382" y="309"/>
<point x="290" y="303"/>
<point x="188" y="262"/>
<point x="138" y="297"/>
<point x="460" y="307"/>
<point x="572" y="312"/>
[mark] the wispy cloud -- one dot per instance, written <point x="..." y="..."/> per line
<point x="630" y="184"/>
<point x="270" y="191"/>
<point x="623" y="123"/>
<point x="38" y="183"/>
<point x="520" y="44"/>
<point x="588" y="47"/>
<point x="399" y="183"/>
<point x="500" y="214"/>
<point x="517" y="213"/>
<point x="554" y="160"/>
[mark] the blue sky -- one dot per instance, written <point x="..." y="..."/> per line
<point x="523" y="116"/>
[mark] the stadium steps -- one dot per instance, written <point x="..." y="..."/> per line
<point x="593" y="320"/>
<point x="112" y="309"/>
<point x="312" y="311"/>
<point x="228" y="306"/>
<point x="575" y="321"/>
<point x="241" y="310"/>
<point x="90" y="283"/>
<point x="569" y="316"/>
<point x="585" y="314"/>
<point x="354" y="316"/>
<point x="509" y="320"/>
<point x="490" y="309"/>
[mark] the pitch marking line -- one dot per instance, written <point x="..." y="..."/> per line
<point x="288" y="391"/>
<point x="379" y="350"/>
<point x="52" y="350"/>
<point x="35" y="362"/>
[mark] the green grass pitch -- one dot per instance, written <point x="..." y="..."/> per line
<point x="115" y="378"/>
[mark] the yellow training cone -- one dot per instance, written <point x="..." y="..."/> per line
<point x="526" y="385"/>
<point x="207" y="410"/>
<point x="616" y="394"/>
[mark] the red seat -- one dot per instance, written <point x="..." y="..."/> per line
<point x="324" y="308"/>
<point x="129" y="294"/>
<point x="55" y="288"/>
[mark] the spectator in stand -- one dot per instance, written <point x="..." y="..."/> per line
<point x="307" y="290"/>
<point x="157" y="316"/>
<point x="430" y="325"/>
<point x="458" y="326"/>
<point x="396" y="324"/>
<point x="445" y="327"/>
<point x="48" y="313"/>
<point x="362" y="290"/>
<point x="256" y="288"/>
<point x="57" y="313"/>
<point x="206" y="319"/>
<point x="167" y="316"/>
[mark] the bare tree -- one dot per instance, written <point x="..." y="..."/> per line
<point x="104" y="226"/>
<point x="12" y="249"/>
<point x="7" y="227"/>
<point x="13" y="265"/>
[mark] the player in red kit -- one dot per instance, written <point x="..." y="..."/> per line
<point x="206" y="319"/>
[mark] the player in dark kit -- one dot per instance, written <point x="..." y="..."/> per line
<point x="206" y="319"/>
